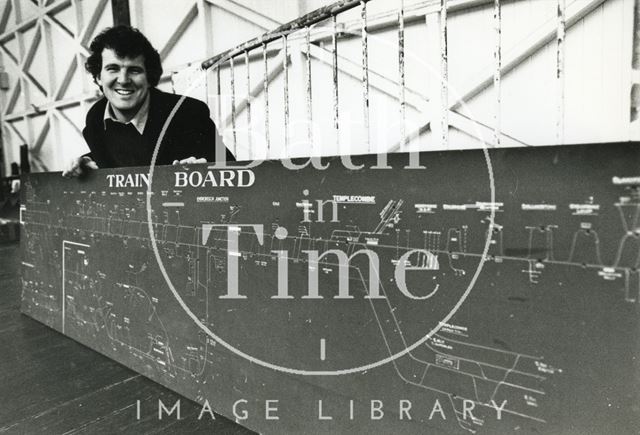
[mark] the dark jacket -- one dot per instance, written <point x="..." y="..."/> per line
<point x="191" y="133"/>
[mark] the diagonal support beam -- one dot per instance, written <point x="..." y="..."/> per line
<point x="62" y="116"/>
<point x="30" y="22"/>
<point x="66" y="80"/>
<point x="85" y="34"/>
<point x="515" y="56"/>
<point x="77" y="47"/>
<point x="247" y="14"/>
<point x="13" y="97"/>
<point x="22" y="67"/>
<point x="16" y="131"/>
<point x="414" y="99"/>
<point x="186" y="20"/>
<point x="4" y="19"/>
<point x="42" y="135"/>
<point x="528" y="47"/>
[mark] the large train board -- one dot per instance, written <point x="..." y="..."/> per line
<point x="489" y="292"/>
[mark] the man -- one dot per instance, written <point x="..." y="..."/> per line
<point x="122" y="128"/>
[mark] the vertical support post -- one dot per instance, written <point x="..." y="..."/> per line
<point x="560" y="71"/>
<point x="45" y="31"/>
<point x="265" y="84"/>
<point x="365" y="74"/>
<point x="497" y="74"/>
<point x="249" y="142"/>
<point x="218" y="95"/>
<point x="336" y="109"/>
<point x="24" y="84"/>
<point x="137" y="14"/>
<point x="285" y="71"/>
<point x="444" y="76"/>
<point x="401" y="78"/>
<point x="234" y="142"/>
<point x="120" y="12"/>
<point x="436" y="53"/>
<point x="309" y="90"/>
<point x="204" y="25"/>
<point x="79" y="20"/>
<point x="634" y="112"/>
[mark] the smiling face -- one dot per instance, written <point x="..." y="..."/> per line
<point x="124" y="83"/>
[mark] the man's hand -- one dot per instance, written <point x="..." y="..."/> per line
<point x="79" y="166"/>
<point x="189" y="161"/>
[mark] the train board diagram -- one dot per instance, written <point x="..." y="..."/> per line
<point x="482" y="292"/>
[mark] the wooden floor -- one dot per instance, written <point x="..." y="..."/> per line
<point x="54" y="385"/>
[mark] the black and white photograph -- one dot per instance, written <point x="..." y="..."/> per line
<point x="320" y="217"/>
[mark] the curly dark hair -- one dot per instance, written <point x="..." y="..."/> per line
<point x="126" y="41"/>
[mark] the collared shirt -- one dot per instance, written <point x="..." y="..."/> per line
<point x="139" y="121"/>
